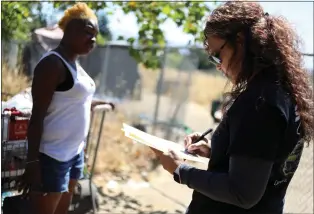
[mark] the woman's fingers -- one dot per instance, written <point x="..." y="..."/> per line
<point x="20" y="187"/>
<point x="26" y="192"/>
<point x="190" y="138"/>
<point x="196" y="146"/>
<point x="20" y="184"/>
<point x="23" y="187"/>
<point x="173" y="155"/>
<point x="187" y="141"/>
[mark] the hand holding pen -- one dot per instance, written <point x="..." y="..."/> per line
<point x="197" y="143"/>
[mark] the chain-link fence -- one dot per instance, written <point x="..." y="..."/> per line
<point x="156" y="98"/>
<point x="161" y="99"/>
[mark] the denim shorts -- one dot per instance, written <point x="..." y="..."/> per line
<point x="55" y="175"/>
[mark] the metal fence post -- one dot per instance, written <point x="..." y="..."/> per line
<point x="159" y="89"/>
<point x="103" y="77"/>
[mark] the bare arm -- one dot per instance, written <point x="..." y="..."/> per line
<point x="47" y="75"/>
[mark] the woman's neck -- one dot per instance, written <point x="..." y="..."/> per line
<point x="66" y="51"/>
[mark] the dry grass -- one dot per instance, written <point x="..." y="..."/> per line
<point x="116" y="152"/>
<point x="203" y="89"/>
<point x="206" y="87"/>
<point x="12" y="82"/>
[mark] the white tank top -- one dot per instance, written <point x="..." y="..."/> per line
<point x="67" y="121"/>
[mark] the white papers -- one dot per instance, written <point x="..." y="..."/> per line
<point x="160" y="144"/>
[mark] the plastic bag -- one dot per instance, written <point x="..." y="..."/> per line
<point x="22" y="101"/>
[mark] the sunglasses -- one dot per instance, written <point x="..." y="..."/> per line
<point x="215" y="58"/>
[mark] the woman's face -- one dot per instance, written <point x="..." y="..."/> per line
<point x="230" y="65"/>
<point x="83" y="36"/>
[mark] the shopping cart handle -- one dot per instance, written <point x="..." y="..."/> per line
<point x="15" y="112"/>
<point x="102" y="107"/>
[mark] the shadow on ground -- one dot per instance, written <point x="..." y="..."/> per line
<point x="121" y="203"/>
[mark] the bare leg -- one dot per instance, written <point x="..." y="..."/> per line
<point x="66" y="199"/>
<point x="45" y="204"/>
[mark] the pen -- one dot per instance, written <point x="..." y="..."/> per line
<point x="200" y="138"/>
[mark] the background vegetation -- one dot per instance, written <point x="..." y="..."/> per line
<point x="19" y="18"/>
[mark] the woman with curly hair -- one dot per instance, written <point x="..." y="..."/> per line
<point x="257" y="147"/>
<point x="62" y="100"/>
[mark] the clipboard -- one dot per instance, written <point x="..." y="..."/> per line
<point x="160" y="144"/>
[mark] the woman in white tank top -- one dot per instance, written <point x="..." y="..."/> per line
<point x="62" y="98"/>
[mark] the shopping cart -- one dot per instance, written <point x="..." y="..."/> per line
<point x="13" y="147"/>
<point x="14" y="151"/>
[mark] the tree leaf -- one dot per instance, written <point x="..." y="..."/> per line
<point x="166" y="10"/>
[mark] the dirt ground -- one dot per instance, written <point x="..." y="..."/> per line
<point x="158" y="193"/>
<point x="162" y="195"/>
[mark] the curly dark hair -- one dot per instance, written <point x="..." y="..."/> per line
<point x="269" y="41"/>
